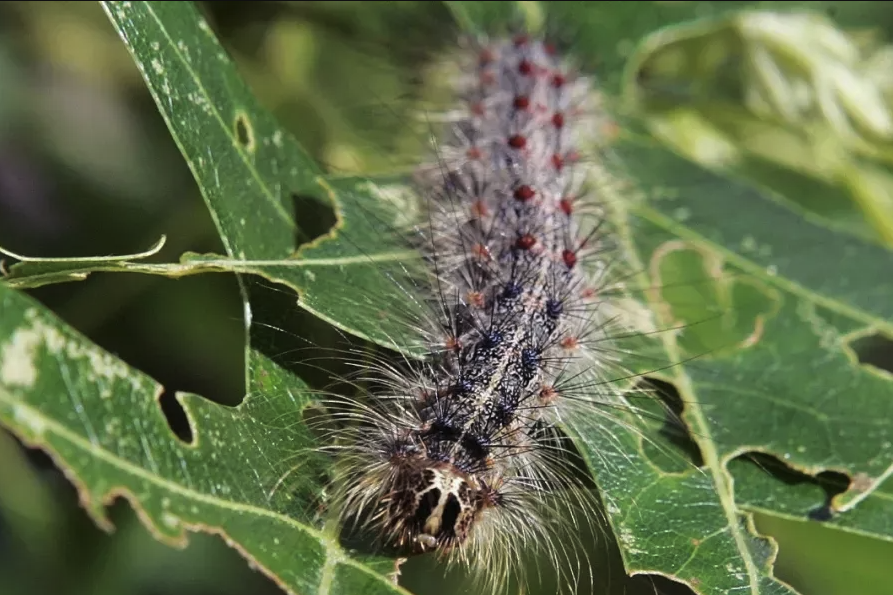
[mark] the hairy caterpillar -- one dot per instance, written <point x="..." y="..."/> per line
<point x="474" y="471"/>
<point x="458" y="454"/>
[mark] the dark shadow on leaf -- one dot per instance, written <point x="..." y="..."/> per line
<point x="833" y="483"/>
<point x="297" y="341"/>
<point x="661" y="585"/>
<point x="318" y="354"/>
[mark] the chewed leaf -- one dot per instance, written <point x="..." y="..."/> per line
<point x="100" y="420"/>
<point x="251" y="172"/>
<point x="762" y="486"/>
<point x="785" y="258"/>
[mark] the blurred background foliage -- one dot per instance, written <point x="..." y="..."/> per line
<point x="798" y="100"/>
<point x="87" y="167"/>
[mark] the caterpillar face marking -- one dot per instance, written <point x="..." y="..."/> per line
<point x="434" y="507"/>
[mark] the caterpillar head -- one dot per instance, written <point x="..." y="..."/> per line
<point x="435" y="506"/>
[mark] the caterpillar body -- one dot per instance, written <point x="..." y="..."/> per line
<point x="460" y="454"/>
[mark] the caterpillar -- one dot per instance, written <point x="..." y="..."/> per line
<point x="459" y="454"/>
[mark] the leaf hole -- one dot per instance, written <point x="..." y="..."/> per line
<point x="834" y="484"/>
<point x="295" y="339"/>
<point x="661" y="405"/>
<point x="175" y="415"/>
<point x="874" y="350"/>
<point x="244" y="132"/>
<point x="569" y="461"/>
<point x="313" y="217"/>
<point x="831" y="483"/>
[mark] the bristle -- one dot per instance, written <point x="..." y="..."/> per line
<point x="460" y="456"/>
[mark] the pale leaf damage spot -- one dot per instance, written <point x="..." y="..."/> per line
<point x="18" y="368"/>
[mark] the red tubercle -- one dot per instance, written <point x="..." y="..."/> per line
<point x="548" y="395"/>
<point x="517" y="141"/>
<point x="557" y="162"/>
<point x="452" y="344"/>
<point x="481" y="252"/>
<point x="525" y="67"/>
<point x="521" y="102"/>
<point x="525" y="242"/>
<point x="558" y="120"/>
<point x="558" y="80"/>
<point x="570" y="343"/>
<point x="524" y="193"/>
<point x="569" y="257"/>
<point x="566" y="205"/>
<point x="474" y="153"/>
<point x="588" y="293"/>
<point x="476" y="299"/>
<point x="476" y="108"/>
<point x="479" y="209"/>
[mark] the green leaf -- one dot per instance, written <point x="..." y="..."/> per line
<point x="253" y="175"/>
<point x="756" y="490"/>
<point x="792" y="387"/>
<point x="101" y="421"/>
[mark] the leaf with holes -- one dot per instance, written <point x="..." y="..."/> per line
<point x="101" y="421"/>
<point x="262" y="189"/>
